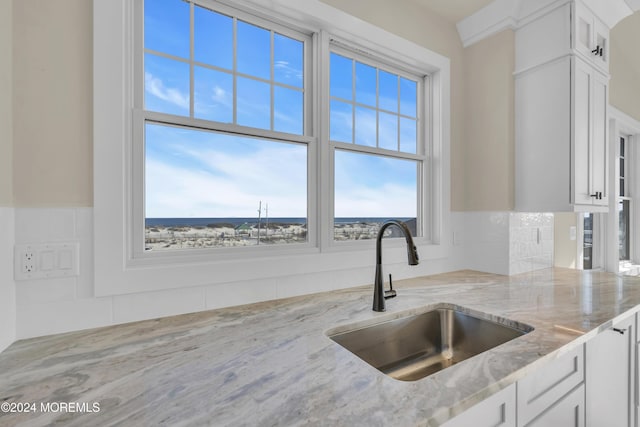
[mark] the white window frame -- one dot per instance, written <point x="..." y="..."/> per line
<point x="422" y="148"/>
<point x="118" y="271"/>
<point x="141" y="116"/>
<point x="621" y="124"/>
<point x="628" y="190"/>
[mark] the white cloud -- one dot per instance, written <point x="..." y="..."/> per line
<point x="389" y="200"/>
<point x="219" y="184"/>
<point x="220" y="95"/>
<point x="287" y="70"/>
<point x="157" y="88"/>
<point x="213" y="102"/>
<point x="374" y="186"/>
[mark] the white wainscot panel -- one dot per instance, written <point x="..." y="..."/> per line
<point x="237" y="293"/>
<point x="45" y="319"/>
<point x="151" y="305"/>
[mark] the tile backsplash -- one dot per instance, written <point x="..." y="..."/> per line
<point x="495" y="242"/>
<point x="505" y="242"/>
<point x="530" y="242"/>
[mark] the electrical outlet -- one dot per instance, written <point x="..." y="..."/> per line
<point x="46" y="260"/>
<point x="28" y="260"/>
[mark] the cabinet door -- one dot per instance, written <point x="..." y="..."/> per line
<point x="568" y="411"/>
<point x="590" y="37"/>
<point x="499" y="410"/>
<point x="636" y="391"/>
<point x="601" y="40"/>
<point x="581" y="109"/>
<point x="583" y="30"/>
<point x="599" y="151"/>
<point x="589" y="144"/>
<point x="609" y="382"/>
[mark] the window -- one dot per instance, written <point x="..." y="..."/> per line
<point x="377" y="145"/>
<point x="624" y="204"/>
<point x="621" y="256"/>
<point x="213" y="82"/>
<point x="587" y="241"/>
<point x="213" y="77"/>
<point x="212" y="109"/>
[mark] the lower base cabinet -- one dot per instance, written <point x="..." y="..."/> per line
<point x="568" y="411"/>
<point x="499" y="410"/>
<point x="610" y="376"/>
<point x="542" y="393"/>
<point x="592" y="385"/>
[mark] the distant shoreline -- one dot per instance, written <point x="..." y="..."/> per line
<point x="182" y="233"/>
<point x="236" y="221"/>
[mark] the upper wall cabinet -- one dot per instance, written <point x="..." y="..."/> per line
<point x="590" y="37"/>
<point x="561" y="113"/>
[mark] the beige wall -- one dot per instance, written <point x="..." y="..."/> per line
<point x="52" y="100"/>
<point x="489" y="124"/>
<point x="624" y="86"/>
<point x="427" y="29"/>
<point x="6" y="112"/>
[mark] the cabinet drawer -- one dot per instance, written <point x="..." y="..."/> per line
<point x="542" y="388"/>
<point x="498" y="410"/>
<point x="567" y="412"/>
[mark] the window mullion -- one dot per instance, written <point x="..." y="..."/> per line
<point x="353" y="101"/>
<point x="325" y="181"/>
<point x="272" y="78"/>
<point x="377" y="107"/>
<point x="398" y="134"/>
<point x="235" y="70"/>
<point x="191" y="60"/>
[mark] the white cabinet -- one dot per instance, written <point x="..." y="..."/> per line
<point x="590" y="37"/>
<point x="610" y="380"/>
<point x="561" y="116"/>
<point x="540" y="391"/>
<point x="499" y="410"/>
<point x="568" y="411"/>
<point x="589" y="135"/>
<point x="592" y="385"/>
<point x="636" y="374"/>
<point x="636" y="404"/>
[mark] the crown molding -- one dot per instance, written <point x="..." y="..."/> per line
<point x="511" y="14"/>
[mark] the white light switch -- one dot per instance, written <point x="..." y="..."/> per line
<point x="65" y="259"/>
<point x="572" y="233"/>
<point x="46" y="260"/>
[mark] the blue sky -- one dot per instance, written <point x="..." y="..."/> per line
<point x="191" y="173"/>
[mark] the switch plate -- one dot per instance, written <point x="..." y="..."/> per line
<point x="46" y="260"/>
<point x="573" y="232"/>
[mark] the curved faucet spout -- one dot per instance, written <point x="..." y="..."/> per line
<point x="379" y="294"/>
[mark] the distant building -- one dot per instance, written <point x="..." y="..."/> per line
<point x="244" y="229"/>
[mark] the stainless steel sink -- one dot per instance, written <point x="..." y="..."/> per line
<point x="415" y="346"/>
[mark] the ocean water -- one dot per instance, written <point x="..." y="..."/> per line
<point x="203" y="222"/>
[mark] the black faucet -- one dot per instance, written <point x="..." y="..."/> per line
<point x="379" y="294"/>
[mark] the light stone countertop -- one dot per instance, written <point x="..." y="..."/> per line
<point x="271" y="363"/>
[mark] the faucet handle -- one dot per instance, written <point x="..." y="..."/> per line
<point x="390" y="293"/>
